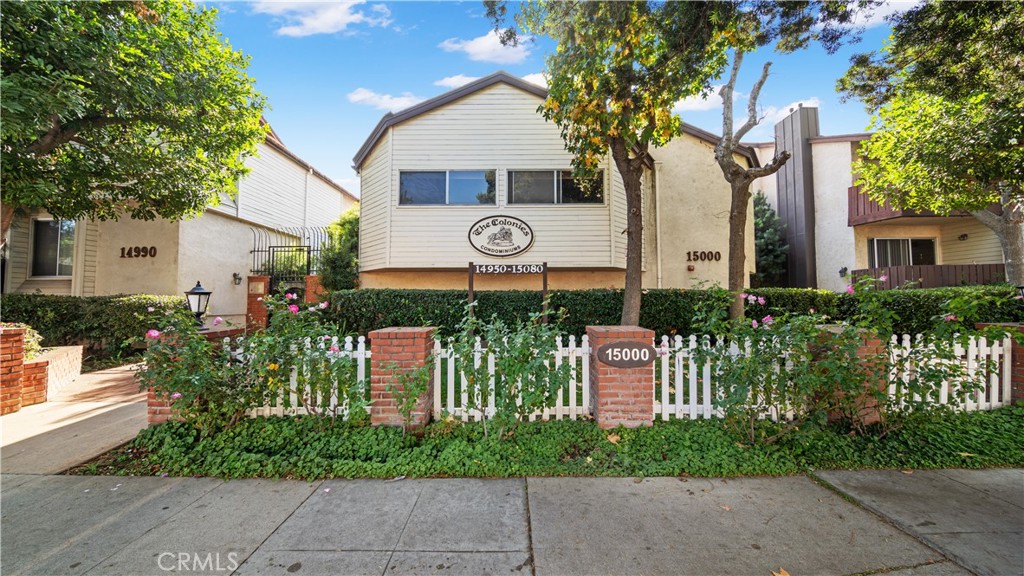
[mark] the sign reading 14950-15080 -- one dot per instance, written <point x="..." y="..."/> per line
<point x="509" y="268"/>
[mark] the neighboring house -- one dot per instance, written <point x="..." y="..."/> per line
<point x="93" y="258"/>
<point x="478" y="175"/>
<point x="835" y="232"/>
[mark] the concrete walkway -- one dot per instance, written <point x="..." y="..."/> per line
<point x="99" y="411"/>
<point x="558" y="526"/>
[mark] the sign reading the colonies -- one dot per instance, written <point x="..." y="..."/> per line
<point x="501" y="236"/>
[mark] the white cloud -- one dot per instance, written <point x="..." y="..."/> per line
<point x="383" y="101"/>
<point x="488" y="48"/>
<point x="455" y="81"/>
<point x="773" y="115"/>
<point x="697" y="103"/>
<point x="877" y="17"/>
<point x="537" y="78"/>
<point x="309" y="18"/>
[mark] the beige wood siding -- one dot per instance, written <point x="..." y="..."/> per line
<point x="980" y="247"/>
<point x="20" y="263"/>
<point x="497" y="129"/>
<point x="90" y="257"/>
<point x="374" y="204"/>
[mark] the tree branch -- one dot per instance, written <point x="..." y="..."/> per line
<point x="752" y="119"/>
<point x="725" y="144"/>
<point x="772" y="167"/>
<point x="988" y="219"/>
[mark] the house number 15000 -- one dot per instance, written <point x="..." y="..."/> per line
<point x="703" y="256"/>
<point x="138" y="252"/>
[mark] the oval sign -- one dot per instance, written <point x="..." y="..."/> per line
<point x="501" y="236"/>
<point x="626" y="354"/>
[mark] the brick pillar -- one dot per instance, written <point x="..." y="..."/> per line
<point x="12" y="366"/>
<point x="620" y="395"/>
<point x="255" y="311"/>
<point x="872" y="353"/>
<point x="1016" y="363"/>
<point x="158" y="408"/>
<point x="393" y="351"/>
<point x="34" y="381"/>
<point x="314" y="290"/>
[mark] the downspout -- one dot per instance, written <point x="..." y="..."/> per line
<point x="305" y="198"/>
<point x="657" y="218"/>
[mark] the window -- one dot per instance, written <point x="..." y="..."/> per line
<point x="461" y="188"/>
<point x="885" y="252"/>
<point x="53" y="247"/>
<point x="553" y="187"/>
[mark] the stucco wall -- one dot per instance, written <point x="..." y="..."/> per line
<point x="834" y="238"/>
<point x="149" y="275"/>
<point x="695" y="201"/>
<point x="211" y="249"/>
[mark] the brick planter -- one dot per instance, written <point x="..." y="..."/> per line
<point x="12" y="366"/>
<point x="1016" y="363"/>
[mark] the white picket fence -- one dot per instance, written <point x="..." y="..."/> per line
<point x="686" y="389"/>
<point x="452" y="392"/>
<point x="296" y="400"/>
<point x="683" y="387"/>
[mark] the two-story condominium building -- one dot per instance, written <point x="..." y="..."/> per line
<point x="93" y="258"/>
<point x="478" y="175"/>
<point x="835" y="232"/>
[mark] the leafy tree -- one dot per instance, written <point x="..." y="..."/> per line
<point x="618" y="70"/>
<point x="770" y="241"/>
<point x="114" y="108"/>
<point x="949" y="97"/>
<point x="339" y="259"/>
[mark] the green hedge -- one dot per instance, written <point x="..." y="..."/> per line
<point x="664" y="311"/>
<point x="101" y="323"/>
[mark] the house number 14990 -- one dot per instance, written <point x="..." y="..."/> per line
<point x="138" y="252"/>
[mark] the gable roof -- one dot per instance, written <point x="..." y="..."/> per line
<point x="274" y="141"/>
<point x="390" y="119"/>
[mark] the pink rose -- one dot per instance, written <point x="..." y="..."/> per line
<point x="753" y="323"/>
<point x="293" y="308"/>
<point x="743" y="295"/>
<point x="812" y="311"/>
<point x="761" y="300"/>
<point x="767" y="320"/>
<point x="949" y="318"/>
<point x="218" y="321"/>
<point x="849" y="289"/>
<point x="324" y="304"/>
<point x="153" y="333"/>
<point x="176" y="395"/>
<point x="290" y="296"/>
<point x="883" y="277"/>
<point x="335" y="349"/>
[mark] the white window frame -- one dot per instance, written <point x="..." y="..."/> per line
<point x="447" y="188"/>
<point x="555" y="189"/>
<point x="873" y="250"/>
<point x="32" y="249"/>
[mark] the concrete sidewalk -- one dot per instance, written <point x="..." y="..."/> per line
<point x="975" y="517"/>
<point x="114" y="525"/>
<point x="99" y="411"/>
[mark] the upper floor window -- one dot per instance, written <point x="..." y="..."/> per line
<point x="885" y="252"/>
<point x="553" y="187"/>
<point x="53" y="247"/>
<point x="451" y="187"/>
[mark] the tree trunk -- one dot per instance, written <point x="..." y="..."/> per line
<point x="737" y="243"/>
<point x="6" y="218"/>
<point x="631" y="170"/>
<point x="1009" y="228"/>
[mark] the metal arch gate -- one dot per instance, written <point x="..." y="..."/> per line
<point x="287" y="256"/>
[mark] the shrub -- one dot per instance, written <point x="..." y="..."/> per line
<point x="33" y="340"/>
<point x="339" y="264"/>
<point x="110" y="324"/>
<point x="667" y="311"/>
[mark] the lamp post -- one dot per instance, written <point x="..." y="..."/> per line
<point x="198" y="299"/>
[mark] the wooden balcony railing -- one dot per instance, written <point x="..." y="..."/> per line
<point x="864" y="210"/>
<point x="936" y="276"/>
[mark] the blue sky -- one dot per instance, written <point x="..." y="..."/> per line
<point x="330" y="70"/>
